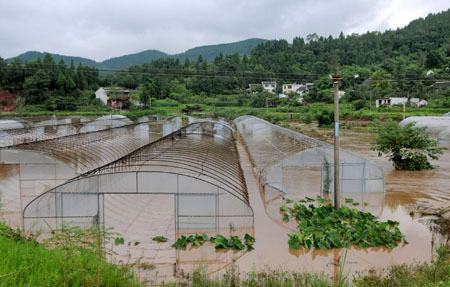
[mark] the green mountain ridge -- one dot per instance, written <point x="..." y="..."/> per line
<point x="34" y="55"/>
<point x="126" y="61"/>
<point x="208" y="53"/>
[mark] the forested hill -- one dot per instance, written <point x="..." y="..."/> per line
<point x="208" y="53"/>
<point x="33" y="55"/>
<point x="132" y="59"/>
<point x="424" y="42"/>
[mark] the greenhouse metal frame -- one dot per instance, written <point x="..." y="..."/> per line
<point x="89" y="150"/>
<point x="197" y="165"/>
<point x="37" y="132"/>
<point x="274" y="149"/>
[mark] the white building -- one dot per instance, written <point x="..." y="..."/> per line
<point x="114" y="97"/>
<point x="413" y="102"/>
<point x="300" y="89"/>
<point x="296" y="88"/>
<point x="416" y="102"/>
<point x="270" y="87"/>
<point x="102" y="95"/>
<point x="390" y="101"/>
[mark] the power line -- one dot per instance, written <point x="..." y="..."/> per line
<point x="238" y="74"/>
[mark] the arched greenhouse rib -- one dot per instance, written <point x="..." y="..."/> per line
<point x="203" y="149"/>
<point x="254" y="131"/>
<point x="89" y="150"/>
<point x="47" y="130"/>
<point x="274" y="149"/>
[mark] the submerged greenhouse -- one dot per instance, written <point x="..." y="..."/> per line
<point x="190" y="179"/>
<point x="437" y="127"/>
<point x="14" y="132"/>
<point x="30" y="169"/>
<point x="291" y="164"/>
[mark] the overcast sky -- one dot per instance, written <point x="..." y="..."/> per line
<point x="102" y="29"/>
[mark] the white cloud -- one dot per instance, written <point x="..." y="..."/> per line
<point x="103" y="29"/>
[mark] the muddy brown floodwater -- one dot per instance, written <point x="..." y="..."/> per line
<point x="404" y="190"/>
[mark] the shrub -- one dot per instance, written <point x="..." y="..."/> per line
<point x="325" y="118"/>
<point x="408" y="147"/>
<point x="306" y="118"/>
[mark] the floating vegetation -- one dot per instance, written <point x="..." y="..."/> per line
<point x="325" y="227"/>
<point x="119" y="241"/>
<point x="221" y="241"/>
<point x="160" y="239"/>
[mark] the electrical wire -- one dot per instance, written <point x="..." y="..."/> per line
<point x="241" y="74"/>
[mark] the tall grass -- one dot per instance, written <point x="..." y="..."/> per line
<point x="434" y="274"/>
<point x="74" y="257"/>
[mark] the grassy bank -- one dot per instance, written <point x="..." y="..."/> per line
<point x="23" y="262"/>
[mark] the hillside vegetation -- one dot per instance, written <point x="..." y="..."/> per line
<point x="405" y="62"/>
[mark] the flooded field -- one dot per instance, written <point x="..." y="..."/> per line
<point x="272" y="250"/>
<point x="139" y="217"/>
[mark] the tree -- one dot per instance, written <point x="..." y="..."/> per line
<point x="61" y="82"/>
<point x="408" y="147"/>
<point x="36" y="87"/>
<point x="145" y="96"/>
<point x="380" y="83"/>
<point x="434" y="59"/>
<point x="261" y="99"/>
<point x="129" y="82"/>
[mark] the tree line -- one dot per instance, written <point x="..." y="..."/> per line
<point x="44" y="82"/>
<point x="401" y="62"/>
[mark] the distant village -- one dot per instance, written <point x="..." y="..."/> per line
<point x="119" y="98"/>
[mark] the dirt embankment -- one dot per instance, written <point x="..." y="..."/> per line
<point x="8" y="100"/>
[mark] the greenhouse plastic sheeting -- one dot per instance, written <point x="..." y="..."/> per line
<point x="444" y="136"/>
<point x="293" y="163"/>
<point x="435" y="126"/>
<point x="197" y="167"/>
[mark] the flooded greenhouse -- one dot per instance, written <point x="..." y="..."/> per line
<point x="437" y="127"/>
<point x="13" y="132"/>
<point x="292" y="164"/>
<point x="31" y="168"/>
<point x="186" y="182"/>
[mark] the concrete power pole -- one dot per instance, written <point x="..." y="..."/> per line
<point x="337" y="192"/>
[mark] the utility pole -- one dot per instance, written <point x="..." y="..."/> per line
<point x="337" y="192"/>
<point x="404" y="106"/>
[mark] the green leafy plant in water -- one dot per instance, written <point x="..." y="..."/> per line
<point x="236" y="244"/>
<point x="196" y="240"/>
<point x="348" y="200"/>
<point x="180" y="243"/>
<point x="160" y="239"/>
<point x="324" y="227"/>
<point x="221" y="242"/>
<point x="119" y="241"/>
<point x="249" y="241"/>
